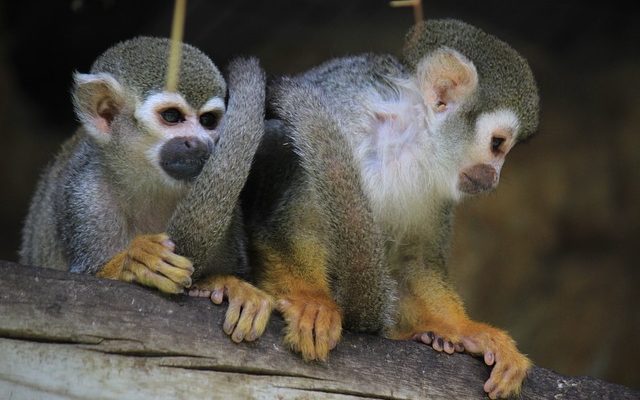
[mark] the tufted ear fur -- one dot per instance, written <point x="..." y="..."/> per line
<point x="446" y="78"/>
<point x="97" y="99"/>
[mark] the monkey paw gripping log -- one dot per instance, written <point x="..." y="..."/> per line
<point x="249" y="307"/>
<point x="510" y="367"/>
<point x="496" y="347"/>
<point x="314" y="324"/>
<point x="149" y="260"/>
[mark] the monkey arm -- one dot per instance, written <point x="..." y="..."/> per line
<point x="292" y="267"/>
<point x="288" y="246"/>
<point x="92" y="228"/>
<point x="360" y="283"/>
<point x="89" y="220"/>
<point x="429" y="310"/>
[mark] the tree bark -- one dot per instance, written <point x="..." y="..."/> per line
<point x="71" y="336"/>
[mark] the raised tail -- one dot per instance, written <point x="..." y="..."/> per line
<point x="205" y="224"/>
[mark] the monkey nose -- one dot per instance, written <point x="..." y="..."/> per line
<point x="477" y="179"/>
<point x="182" y="158"/>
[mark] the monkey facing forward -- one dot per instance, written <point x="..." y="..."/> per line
<point x="354" y="224"/>
<point x="104" y="205"/>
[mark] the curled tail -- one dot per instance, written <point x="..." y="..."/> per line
<point x="360" y="278"/>
<point x="206" y="223"/>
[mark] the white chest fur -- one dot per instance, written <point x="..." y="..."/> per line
<point x="404" y="174"/>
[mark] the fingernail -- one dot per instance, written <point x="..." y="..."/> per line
<point x="431" y="336"/>
<point x="168" y="243"/>
<point x="441" y="343"/>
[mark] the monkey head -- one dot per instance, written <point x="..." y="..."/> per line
<point x="480" y="97"/>
<point x="149" y="134"/>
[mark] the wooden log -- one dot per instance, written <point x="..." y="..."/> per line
<point x="71" y="336"/>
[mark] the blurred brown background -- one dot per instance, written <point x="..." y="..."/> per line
<point x="551" y="256"/>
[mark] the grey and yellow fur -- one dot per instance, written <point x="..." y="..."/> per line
<point x="379" y="152"/>
<point x="86" y="201"/>
<point x="147" y="190"/>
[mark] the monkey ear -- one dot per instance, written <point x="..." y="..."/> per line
<point x="97" y="99"/>
<point x="446" y="78"/>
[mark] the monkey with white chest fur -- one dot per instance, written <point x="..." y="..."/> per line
<point x="383" y="150"/>
<point x="104" y="206"/>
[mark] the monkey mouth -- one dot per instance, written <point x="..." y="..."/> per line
<point x="478" y="179"/>
<point x="184" y="169"/>
<point x="183" y="158"/>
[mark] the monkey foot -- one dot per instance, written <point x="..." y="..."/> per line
<point x="439" y="343"/>
<point x="249" y="307"/>
<point x="314" y="324"/>
<point x="498" y="349"/>
<point x="150" y="260"/>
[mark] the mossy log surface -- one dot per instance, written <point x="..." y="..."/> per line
<point x="72" y="336"/>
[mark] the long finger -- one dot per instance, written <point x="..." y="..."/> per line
<point x="244" y="322"/>
<point x="307" y="323"/>
<point x="231" y="317"/>
<point x="145" y="276"/>
<point x="156" y="264"/>
<point x="261" y="319"/>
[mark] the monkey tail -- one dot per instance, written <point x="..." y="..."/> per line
<point x="202" y="225"/>
<point x="361" y="281"/>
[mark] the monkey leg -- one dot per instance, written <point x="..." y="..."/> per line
<point x="431" y="312"/>
<point x="249" y="307"/>
<point x="149" y="260"/>
<point x="299" y="285"/>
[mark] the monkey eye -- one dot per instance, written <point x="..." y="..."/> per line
<point x="172" y="116"/>
<point x="496" y="143"/>
<point x="209" y="120"/>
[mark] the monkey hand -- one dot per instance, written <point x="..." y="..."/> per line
<point x="458" y="333"/>
<point x="149" y="260"/>
<point x="510" y="367"/>
<point x="314" y="323"/>
<point x="249" y="307"/>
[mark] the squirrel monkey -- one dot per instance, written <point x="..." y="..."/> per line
<point x="104" y="205"/>
<point x="353" y="227"/>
